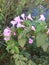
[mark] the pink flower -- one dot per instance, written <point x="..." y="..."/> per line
<point x="42" y="18"/>
<point x="7" y="34"/>
<point x="29" y="17"/>
<point x="19" y="25"/>
<point x="47" y="31"/>
<point x="17" y="19"/>
<point x="30" y="41"/>
<point x="33" y="28"/>
<point x="14" y="33"/>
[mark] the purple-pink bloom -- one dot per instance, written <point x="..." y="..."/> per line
<point x="14" y="33"/>
<point x="30" y="41"/>
<point x="42" y="18"/>
<point x="17" y="19"/>
<point x="7" y="33"/>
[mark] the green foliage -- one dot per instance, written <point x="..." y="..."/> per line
<point x="45" y="47"/>
<point x="31" y="63"/>
<point x="11" y="47"/>
<point x="22" y="42"/>
<point x="40" y="26"/>
<point x="20" y="6"/>
<point x="19" y="49"/>
<point x="21" y="60"/>
<point x="41" y="37"/>
<point x="37" y="2"/>
<point x="1" y="17"/>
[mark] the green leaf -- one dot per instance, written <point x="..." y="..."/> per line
<point x="8" y="47"/>
<point x="19" y="30"/>
<point x="45" y="47"/>
<point x="24" y="32"/>
<point x="12" y="46"/>
<point x="1" y="16"/>
<point x="22" y="42"/>
<point x="41" y="39"/>
<point x="27" y="23"/>
<point x="40" y="27"/>
<point x="16" y="49"/>
<point x="30" y="62"/>
<point x="12" y="51"/>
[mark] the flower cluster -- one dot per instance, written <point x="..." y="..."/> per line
<point x="17" y="23"/>
<point x="19" y="19"/>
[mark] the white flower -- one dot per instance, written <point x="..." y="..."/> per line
<point x="13" y="23"/>
<point x="20" y="25"/>
<point x="42" y="18"/>
<point x="23" y="16"/>
<point x="33" y="28"/>
<point x="29" y="17"/>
